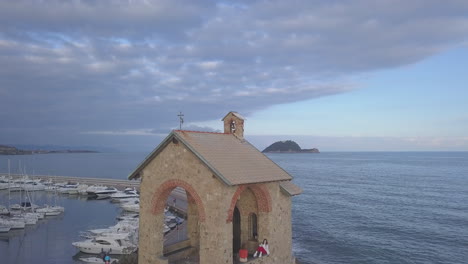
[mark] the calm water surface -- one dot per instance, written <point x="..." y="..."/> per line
<point x="379" y="207"/>
<point x="50" y="240"/>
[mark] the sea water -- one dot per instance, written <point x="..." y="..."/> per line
<point x="375" y="207"/>
<point x="407" y="207"/>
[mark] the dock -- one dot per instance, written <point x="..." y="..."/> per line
<point x="178" y="194"/>
<point x="117" y="183"/>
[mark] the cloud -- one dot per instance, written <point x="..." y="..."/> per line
<point x="115" y="65"/>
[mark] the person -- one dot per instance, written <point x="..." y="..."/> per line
<point x="102" y="255"/>
<point x="262" y="249"/>
<point x="107" y="259"/>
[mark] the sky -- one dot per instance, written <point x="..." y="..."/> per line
<point x="360" y="75"/>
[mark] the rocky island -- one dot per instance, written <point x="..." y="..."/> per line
<point x="288" y="146"/>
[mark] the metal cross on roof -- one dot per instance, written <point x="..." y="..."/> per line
<point x="181" y="120"/>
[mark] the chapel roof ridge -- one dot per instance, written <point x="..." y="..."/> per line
<point x="196" y="131"/>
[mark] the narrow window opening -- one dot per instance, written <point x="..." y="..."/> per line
<point x="253" y="227"/>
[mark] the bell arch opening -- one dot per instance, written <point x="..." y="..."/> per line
<point x="178" y="211"/>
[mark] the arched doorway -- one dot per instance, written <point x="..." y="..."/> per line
<point x="176" y="197"/>
<point x="236" y="231"/>
<point x="253" y="202"/>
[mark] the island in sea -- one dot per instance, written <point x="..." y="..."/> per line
<point x="288" y="146"/>
<point x="10" y="150"/>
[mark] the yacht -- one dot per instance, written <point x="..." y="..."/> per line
<point x="33" y="186"/>
<point x="27" y="219"/>
<point x="127" y="200"/>
<point x="14" y="187"/>
<point x="4" y="183"/>
<point x="105" y="193"/>
<point x="127" y="193"/>
<point x="166" y="229"/>
<point x="70" y="188"/>
<point x="79" y="190"/>
<point x="4" y="210"/>
<point x="13" y="224"/>
<point x="113" y="245"/>
<point x="25" y="206"/>
<point x="4" y="229"/>
<point x="131" y="207"/>
<point x="51" y="210"/>
<point x="123" y="227"/>
<point x="126" y="217"/>
<point x="97" y="260"/>
<point x="51" y="188"/>
<point x="91" y="190"/>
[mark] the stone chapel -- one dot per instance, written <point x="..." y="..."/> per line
<point x="236" y="197"/>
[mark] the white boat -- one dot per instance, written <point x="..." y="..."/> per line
<point x="127" y="193"/>
<point x="129" y="207"/>
<point x="57" y="208"/>
<point x="4" y="229"/>
<point x="12" y="224"/>
<point x="123" y="227"/>
<point x="166" y="229"/>
<point x="4" y="210"/>
<point x="51" y="210"/>
<point x="15" y="188"/>
<point x="69" y="189"/>
<point x="52" y="213"/>
<point x="97" y="260"/>
<point x="25" y="206"/>
<point x="127" y="217"/>
<point x="33" y="186"/>
<point x="51" y="188"/>
<point x="128" y="200"/>
<point x="80" y="189"/>
<point x="28" y="220"/>
<point x="91" y="190"/>
<point x="60" y="184"/>
<point x="105" y="193"/>
<point x="4" y="183"/>
<point x="113" y="245"/>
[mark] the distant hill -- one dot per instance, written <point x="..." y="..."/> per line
<point x="10" y="150"/>
<point x="64" y="148"/>
<point x="288" y="146"/>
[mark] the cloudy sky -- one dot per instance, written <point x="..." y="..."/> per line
<point x="337" y="75"/>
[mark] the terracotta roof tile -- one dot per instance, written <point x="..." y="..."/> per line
<point x="235" y="160"/>
<point x="291" y="188"/>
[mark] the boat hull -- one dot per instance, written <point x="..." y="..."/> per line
<point x="96" y="249"/>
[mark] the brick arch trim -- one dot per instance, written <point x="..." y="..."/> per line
<point x="261" y="195"/>
<point x="158" y="202"/>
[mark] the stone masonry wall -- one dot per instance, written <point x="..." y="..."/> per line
<point x="210" y="200"/>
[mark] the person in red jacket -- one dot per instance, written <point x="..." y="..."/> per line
<point x="262" y="249"/>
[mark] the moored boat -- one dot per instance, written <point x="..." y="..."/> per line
<point x="113" y="245"/>
<point x="4" y="229"/>
<point x="97" y="260"/>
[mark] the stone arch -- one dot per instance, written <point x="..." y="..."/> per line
<point x="159" y="198"/>
<point x="261" y="195"/>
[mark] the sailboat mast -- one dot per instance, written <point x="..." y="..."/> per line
<point x="9" y="185"/>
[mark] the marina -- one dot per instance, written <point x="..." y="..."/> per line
<point x="38" y="199"/>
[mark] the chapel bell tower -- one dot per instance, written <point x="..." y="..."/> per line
<point x="234" y="124"/>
